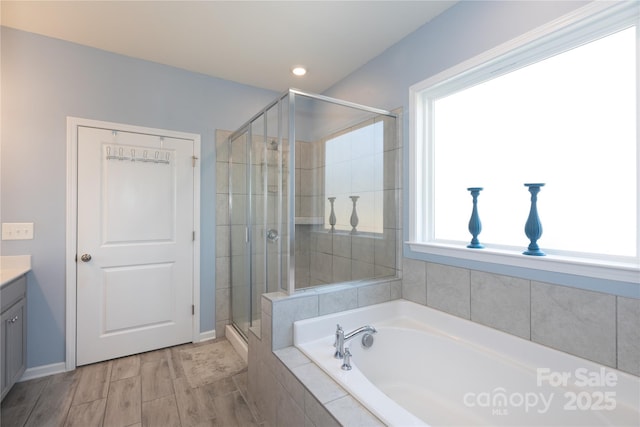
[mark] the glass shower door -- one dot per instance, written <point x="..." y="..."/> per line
<point x="256" y="217"/>
<point x="239" y="171"/>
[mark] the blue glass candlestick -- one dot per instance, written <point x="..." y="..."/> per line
<point x="533" y="227"/>
<point x="475" y="226"/>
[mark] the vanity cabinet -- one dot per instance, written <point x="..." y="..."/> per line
<point x="13" y="332"/>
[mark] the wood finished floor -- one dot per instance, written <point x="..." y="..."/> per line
<point x="149" y="389"/>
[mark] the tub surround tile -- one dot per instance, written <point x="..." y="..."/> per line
<point x="288" y="412"/>
<point x="342" y="300"/>
<point x="395" y="289"/>
<point x="285" y="312"/>
<point x="351" y="413"/>
<point x="374" y="294"/>
<point x="448" y="289"/>
<point x="628" y="315"/>
<point x="291" y="358"/>
<point x="317" y="413"/>
<point x="414" y="280"/>
<point x="318" y="383"/>
<point x="579" y="322"/>
<point x="501" y="302"/>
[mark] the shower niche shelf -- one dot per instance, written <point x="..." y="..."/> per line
<point x="309" y="220"/>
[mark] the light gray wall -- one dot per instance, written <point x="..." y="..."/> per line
<point x="465" y="30"/>
<point x="45" y="80"/>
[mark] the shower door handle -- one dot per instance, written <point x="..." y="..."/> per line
<point x="272" y="235"/>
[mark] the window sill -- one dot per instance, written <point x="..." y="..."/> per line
<point x="617" y="271"/>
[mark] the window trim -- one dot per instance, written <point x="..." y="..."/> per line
<point x="587" y="22"/>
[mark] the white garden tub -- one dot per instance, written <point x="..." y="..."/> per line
<point x="430" y="368"/>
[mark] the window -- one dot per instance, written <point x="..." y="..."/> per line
<point x="354" y="167"/>
<point x="562" y="110"/>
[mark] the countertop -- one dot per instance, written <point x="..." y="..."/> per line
<point x="12" y="267"/>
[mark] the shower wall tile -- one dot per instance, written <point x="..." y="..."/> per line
<point x="341" y="245"/>
<point x="307" y="182"/>
<point x="382" y="271"/>
<point x="239" y="204"/>
<point x="222" y="177"/>
<point x="392" y="215"/>
<point x="223" y="278"/>
<point x="307" y="206"/>
<point x="222" y="303"/>
<point x="628" y="316"/>
<point x="307" y="158"/>
<point x="222" y="209"/>
<point x="285" y="312"/>
<point x="238" y="240"/>
<point x="362" y="249"/>
<point x="414" y="280"/>
<point x="222" y="240"/>
<point x="322" y="242"/>
<point x="222" y="147"/>
<point x="333" y="302"/>
<point x="265" y="304"/>
<point x="391" y="174"/>
<point x="395" y="289"/>
<point x="448" y="289"/>
<point x="576" y="321"/>
<point x="362" y="270"/>
<point x="321" y="267"/>
<point x="501" y="302"/>
<point x="385" y="249"/>
<point x="341" y="269"/>
<point x="238" y="178"/>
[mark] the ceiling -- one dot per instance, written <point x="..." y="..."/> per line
<point x="251" y="42"/>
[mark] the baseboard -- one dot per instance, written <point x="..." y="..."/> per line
<point x="43" y="371"/>
<point x="207" y="335"/>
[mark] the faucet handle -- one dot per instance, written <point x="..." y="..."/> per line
<point x="338" y="330"/>
<point x="346" y="362"/>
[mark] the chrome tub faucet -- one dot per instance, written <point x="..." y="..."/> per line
<point x="342" y="338"/>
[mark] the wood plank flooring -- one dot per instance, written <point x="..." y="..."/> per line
<point x="143" y="390"/>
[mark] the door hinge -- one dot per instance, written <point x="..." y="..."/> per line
<point x="193" y="161"/>
<point x="193" y="236"/>
<point x="193" y="310"/>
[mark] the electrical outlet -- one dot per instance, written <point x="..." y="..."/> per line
<point x="17" y="230"/>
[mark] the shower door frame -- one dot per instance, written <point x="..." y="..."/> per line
<point x="247" y="129"/>
<point x="291" y="283"/>
<point x="289" y="286"/>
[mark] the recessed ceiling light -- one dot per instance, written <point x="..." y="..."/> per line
<point x="299" y="71"/>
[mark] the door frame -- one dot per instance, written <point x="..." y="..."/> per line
<point x="72" y="222"/>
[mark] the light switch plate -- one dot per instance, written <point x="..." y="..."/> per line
<point x="17" y="230"/>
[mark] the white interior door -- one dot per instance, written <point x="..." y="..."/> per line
<point x="134" y="243"/>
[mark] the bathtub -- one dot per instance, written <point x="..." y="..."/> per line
<point x="426" y="367"/>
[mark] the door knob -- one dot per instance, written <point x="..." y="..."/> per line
<point x="85" y="257"/>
